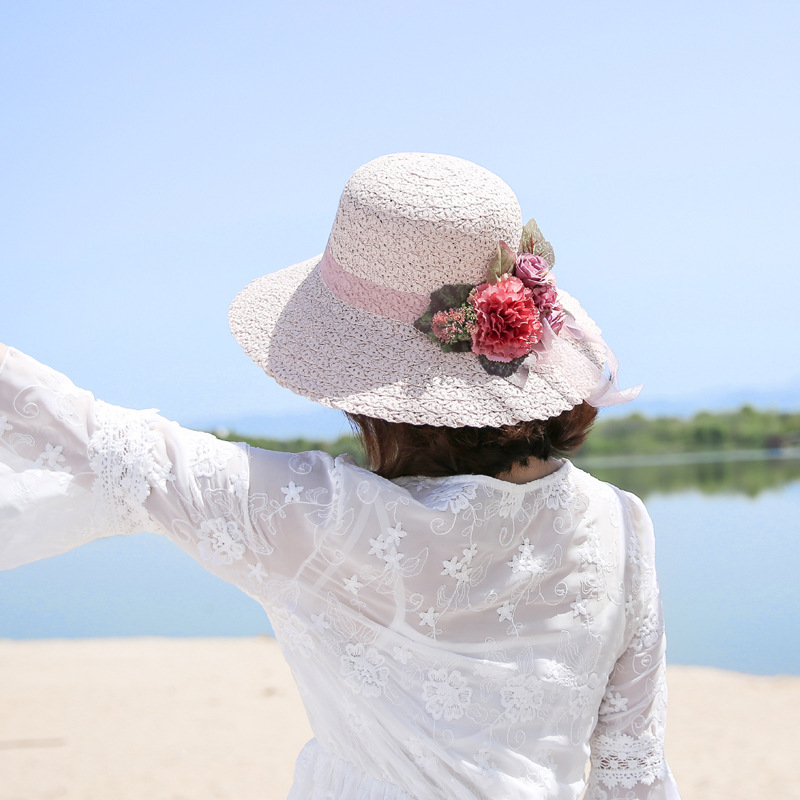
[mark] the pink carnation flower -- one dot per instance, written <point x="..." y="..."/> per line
<point x="508" y="322"/>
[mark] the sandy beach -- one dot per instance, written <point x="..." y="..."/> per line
<point x="186" y="719"/>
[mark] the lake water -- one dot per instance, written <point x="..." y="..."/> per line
<point x="728" y="538"/>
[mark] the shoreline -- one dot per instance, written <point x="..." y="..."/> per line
<point x="172" y="719"/>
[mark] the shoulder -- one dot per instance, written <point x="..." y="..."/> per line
<point x="623" y="509"/>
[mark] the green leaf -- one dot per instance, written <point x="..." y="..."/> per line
<point x="502" y="263"/>
<point x="533" y="242"/>
<point x="502" y="369"/>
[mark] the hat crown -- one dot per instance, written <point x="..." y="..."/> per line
<point x="416" y="221"/>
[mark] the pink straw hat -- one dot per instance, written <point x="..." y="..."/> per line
<point x="416" y="234"/>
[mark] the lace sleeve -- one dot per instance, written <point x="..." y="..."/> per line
<point x="73" y="469"/>
<point x="627" y="758"/>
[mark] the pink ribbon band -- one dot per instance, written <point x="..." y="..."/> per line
<point x="368" y="296"/>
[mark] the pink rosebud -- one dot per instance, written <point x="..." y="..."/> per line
<point x="532" y="270"/>
<point x="545" y="296"/>
<point x="508" y="322"/>
<point x="556" y="317"/>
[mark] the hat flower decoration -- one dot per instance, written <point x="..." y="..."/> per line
<point x="512" y="315"/>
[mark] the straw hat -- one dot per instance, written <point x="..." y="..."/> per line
<point x="340" y="327"/>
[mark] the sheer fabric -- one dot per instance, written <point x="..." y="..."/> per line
<point x="451" y="638"/>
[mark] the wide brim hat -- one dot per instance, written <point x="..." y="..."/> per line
<point x="339" y="328"/>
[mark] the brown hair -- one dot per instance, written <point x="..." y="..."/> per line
<point x="395" y="449"/>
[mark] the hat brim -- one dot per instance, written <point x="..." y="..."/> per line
<point x="319" y="347"/>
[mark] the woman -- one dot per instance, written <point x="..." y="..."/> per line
<point x="471" y="619"/>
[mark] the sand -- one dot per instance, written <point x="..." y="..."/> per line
<point x="190" y="719"/>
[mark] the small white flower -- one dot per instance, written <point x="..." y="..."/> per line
<point x="363" y="670"/>
<point x="5" y="425"/>
<point x="52" y="458"/>
<point x="613" y="702"/>
<point x="292" y="492"/>
<point x="379" y="546"/>
<point x="464" y="573"/>
<point x="395" y="534"/>
<point x="392" y="558"/>
<point x="319" y="622"/>
<point x="506" y="611"/>
<point x="451" y="567"/>
<point x="353" y="584"/>
<point x="238" y="485"/>
<point x="580" y="609"/>
<point x="525" y="562"/>
<point x="469" y="553"/>
<point x="429" y="617"/>
<point x="401" y="654"/>
<point x="257" y="572"/>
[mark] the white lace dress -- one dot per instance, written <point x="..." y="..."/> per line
<point x="451" y="638"/>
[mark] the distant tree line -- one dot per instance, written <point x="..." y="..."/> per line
<point x="745" y="429"/>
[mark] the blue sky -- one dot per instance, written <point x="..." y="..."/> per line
<point x="158" y="156"/>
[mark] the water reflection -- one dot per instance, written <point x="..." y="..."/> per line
<point x="746" y="473"/>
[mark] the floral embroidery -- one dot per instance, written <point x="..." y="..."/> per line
<point x="52" y="457"/>
<point x="523" y="698"/>
<point x="429" y="617"/>
<point x="648" y="630"/>
<point x="459" y="568"/>
<point x="353" y="584"/>
<point x="506" y="611"/>
<point x="292" y="492"/>
<point x="220" y="540"/>
<point x="256" y="572"/>
<point x="580" y="610"/>
<point x="291" y="631"/>
<point x="208" y="458"/>
<point x="559" y="494"/>
<point x="319" y="622"/>
<point x="613" y="702"/>
<point x="363" y="670"/>
<point x="446" y="694"/>
<point x="453" y="496"/>
<point x="525" y="564"/>
<point x="385" y="546"/>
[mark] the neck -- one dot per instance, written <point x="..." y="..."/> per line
<point x="536" y="469"/>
